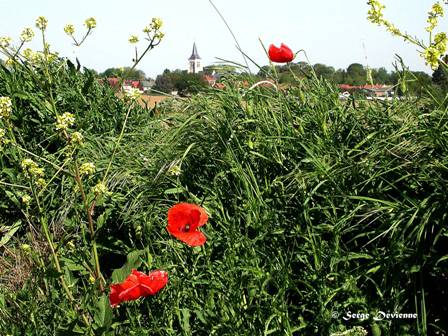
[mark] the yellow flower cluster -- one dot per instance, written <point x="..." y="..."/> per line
<point x="32" y="169"/>
<point x="175" y="170"/>
<point x="42" y="23"/>
<point x="64" y="121"/>
<point x="156" y="23"/>
<point x="87" y="168"/>
<point x="69" y="29"/>
<point x="154" y="27"/>
<point x="100" y="189"/>
<point x="10" y="61"/>
<point x="26" y="199"/>
<point x="90" y="23"/>
<point x="133" y="94"/>
<point x="31" y="56"/>
<point x="133" y="39"/>
<point x="5" y="107"/>
<point x="77" y="139"/>
<point x="375" y="13"/>
<point x="436" y="50"/>
<point x="433" y="16"/>
<point x="5" y="41"/>
<point x="437" y="47"/>
<point x="3" y="139"/>
<point x="27" y="35"/>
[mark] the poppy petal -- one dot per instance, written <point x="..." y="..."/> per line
<point x="137" y="285"/>
<point x="154" y="282"/>
<point x="132" y="293"/>
<point x="114" y="296"/>
<point x="195" y="238"/>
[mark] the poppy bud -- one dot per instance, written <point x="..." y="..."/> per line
<point x="280" y="55"/>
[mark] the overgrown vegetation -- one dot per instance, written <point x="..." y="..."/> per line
<point x="318" y="208"/>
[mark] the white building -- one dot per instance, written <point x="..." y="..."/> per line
<point x="194" y="62"/>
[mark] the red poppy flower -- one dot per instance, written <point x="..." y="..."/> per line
<point x="280" y="55"/>
<point x="137" y="285"/>
<point x="183" y="222"/>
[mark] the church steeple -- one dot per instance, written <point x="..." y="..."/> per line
<point x="194" y="61"/>
<point x="194" y="54"/>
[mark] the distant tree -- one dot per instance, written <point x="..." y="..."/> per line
<point x="164" y="83"/>
<point x="356" y="74"/>
<point x="381" y="76"/>
<point x="339" y="76"/>
<point x="324" y="71"/>
<point x="187" y="83"/>
<point x="125" y="73"/>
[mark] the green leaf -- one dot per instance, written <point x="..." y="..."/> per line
<point x="13" y="229"/>
<point x="185" y="320"/>
<point x="133" y="261"/>
<point x="103" y="313"/>
<point x="174" y="191"/>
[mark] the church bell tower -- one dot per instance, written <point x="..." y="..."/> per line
<point x="194" y="61"/>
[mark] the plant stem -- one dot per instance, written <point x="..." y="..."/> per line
<point x="89" y="211"/>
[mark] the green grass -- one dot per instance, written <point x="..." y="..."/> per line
<point x="316" y="206"/>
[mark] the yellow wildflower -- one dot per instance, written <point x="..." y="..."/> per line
<point x="133" y="39"/>
<point x="440" y="41"/>
<point x="25" y="247"/>
<point x="77" y="138"/>
<point x="375" y="13"/>
<point x="5" y="107"/>
<point x="175" y="170"/>
<point x="431" y="56"/>
<point x="156" y="23"/>
<point x="90" y="23"/>
<point x="64" y="121"/>
<point x="433" y="16"/>
<point x="87" y="168"/>
<point x="41" y="23"/>
<point x="9" y="61"/>
<point x="159" y="35"/>
<point x="32" y="169"/>
<point x="5" y="41"/>
<point x="27" y="35"/>
<point x="3" y="139"/>
<point x="40" y="182"/>
<point x="26" y="199"/>
<point x="100" y="189"/>
<point x="133" y="94"/>
<point x="69" y="29"/>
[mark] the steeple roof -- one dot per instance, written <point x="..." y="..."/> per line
<point x="194" y="54"/>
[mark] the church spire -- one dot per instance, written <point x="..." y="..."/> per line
<point x="194" y="62"/>
<point x="194" y="54"/>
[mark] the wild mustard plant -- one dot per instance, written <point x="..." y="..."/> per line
<point x="40" y="169"/>
<point x="69" y="29"/>
<point x="42" y="23"/>
<point x="64" y="121"/>
<point x="133" y="39"/>
<point x="87" y="168"/>
<point x="433" y="51"/>
<point x="27" y="35"/>
<point x="5" y="107"/>
<point x="153" y="35"/>
<point x="5" y="42"/>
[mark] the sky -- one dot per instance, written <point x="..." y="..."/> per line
<point x="335" y="33"/>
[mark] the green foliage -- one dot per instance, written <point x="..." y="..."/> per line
<point x="125" y="73"/>
<point x="316" y="206"/>
<point x="181" y="81"/>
